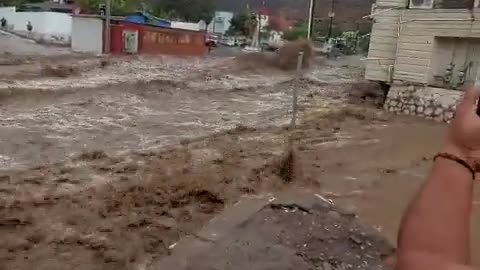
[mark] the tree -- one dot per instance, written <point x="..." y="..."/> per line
<point x="299" y="31"/>
<point x="17" y="3"/>
<point x="278" y="23"/>
<point x="187" y="10"/>
<point x="322" y="28"/>
<point x="243" y="24"/>
<point x="160" y="13"/>
<point x="119" y="7"/>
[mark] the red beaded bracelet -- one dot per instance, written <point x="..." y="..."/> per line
<point x="456" y="159"/>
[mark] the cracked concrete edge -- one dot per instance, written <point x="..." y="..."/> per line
<point x="233" y="217"/>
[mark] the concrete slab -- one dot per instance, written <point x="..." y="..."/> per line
<point x="290" y="230"/>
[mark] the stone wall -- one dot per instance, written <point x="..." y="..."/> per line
<point x="428" y="102"/>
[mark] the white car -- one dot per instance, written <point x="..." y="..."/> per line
<point x="228" y="41"/>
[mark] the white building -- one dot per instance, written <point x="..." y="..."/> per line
<point x="200" y="26"/>
<point x="426" y="51"/>
<point x="87" y="34"/>
<point x="220" y="22"/>
<point x="264" y="21"/>
<point x="275" y="39"/>
<point x="46" y="26"/>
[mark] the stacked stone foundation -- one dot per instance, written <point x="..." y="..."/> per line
<point x="428" y="102"/>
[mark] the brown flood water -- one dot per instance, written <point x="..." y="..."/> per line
<point x="378" y="180"/>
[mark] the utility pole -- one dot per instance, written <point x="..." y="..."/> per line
<point x="260" y="15"/>
<point x="331" y="14"/>
<point x="311" y="14"/>
<point x="295" y="90"/>
<point x="357" y="36"/>
<point x="108" y="14"/>
<point x="214" y="22"/>
<point x="259" y="25"/>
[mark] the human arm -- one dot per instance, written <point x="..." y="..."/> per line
<point x="435" y="230"/>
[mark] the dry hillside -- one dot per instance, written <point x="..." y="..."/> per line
<point x="346" y="10"/>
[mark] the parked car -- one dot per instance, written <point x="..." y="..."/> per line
<point x="228" y="41"/>
<point x="212" y="41"/>
<point x="241" y="42"/>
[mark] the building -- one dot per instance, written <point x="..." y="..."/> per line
<point x="144" y="18"/>
<point x="200" y="26"/>
<point x="264" y="18"/>
<point x="140" y="17"/>
<point x="87" y="34"/>
<point x="220" y="22"/>
<point x="49" y="27"/>
<point x="425" y="50"/>
<point x="129" y="37"/>
<point x="133" y="38"/>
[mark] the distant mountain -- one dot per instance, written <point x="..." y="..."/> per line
<point x="346" y="11"/>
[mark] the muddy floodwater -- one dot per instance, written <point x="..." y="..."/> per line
<point x="45" y="120"/>
<point x="149" y="150"/>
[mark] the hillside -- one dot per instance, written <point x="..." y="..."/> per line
<point x="346" y="10"/>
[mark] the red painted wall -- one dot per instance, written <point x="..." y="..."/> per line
<point x="158" y="40"/>
<point x="116" y="39"/>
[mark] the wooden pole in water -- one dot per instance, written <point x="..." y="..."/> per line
<point x="295" y="90"/>
<point x="289" y="168"/>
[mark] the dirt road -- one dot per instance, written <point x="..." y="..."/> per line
<point x="149" y="161"/>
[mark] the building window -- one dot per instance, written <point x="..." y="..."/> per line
<point x="454" y="4"/>
<point x="420" y="4"/>
<point x="442" y="4"/>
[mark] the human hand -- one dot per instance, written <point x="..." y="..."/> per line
<point x="464" y="135"/>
